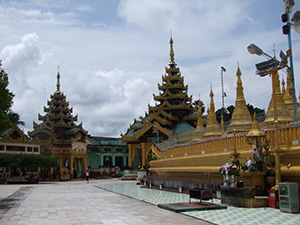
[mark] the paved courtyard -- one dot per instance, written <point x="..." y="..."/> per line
<point x="116" y="202"/>
<point x="78" y="202"/>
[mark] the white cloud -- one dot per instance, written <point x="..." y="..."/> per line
<point x="110" y="72"/>
<point x="21" y="59"/>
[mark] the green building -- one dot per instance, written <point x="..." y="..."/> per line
<point x="105" y="154"/>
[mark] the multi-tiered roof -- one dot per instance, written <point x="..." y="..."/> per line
<point x="58" y="124"/>
<point x="173" y="112"/>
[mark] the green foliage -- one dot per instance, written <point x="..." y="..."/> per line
<point x="6" y="99"/>
<point x="15" y="118"/>
<point x="27" y="160"/>
<point x="196" y="105"/>
<point x="227" y="114"/>
<point x="260" y="113"/>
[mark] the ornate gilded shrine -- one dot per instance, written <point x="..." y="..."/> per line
<point x="61" y="138"/>
<point x="172" y="115"/>
<point x="202" y="158"/>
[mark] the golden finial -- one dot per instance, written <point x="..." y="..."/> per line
<point x="58" y="81"/>
<point x="171" y="50"/>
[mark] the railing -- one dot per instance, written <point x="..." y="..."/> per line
<point x="286" y="137"/>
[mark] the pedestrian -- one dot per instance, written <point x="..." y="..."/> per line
<point x="87" y="176"/>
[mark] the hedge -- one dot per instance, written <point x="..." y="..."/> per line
<point x="27" y="160"/>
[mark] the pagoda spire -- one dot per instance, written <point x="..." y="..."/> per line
<point x="283" y="113"/>
<point x="288" y="99"/>
<point x="58" y="82"/>
<point x="200" y="127"/>
<point x="171" y="51"/>
<point x="212" y="130"/>
<point x="241" y="118"/>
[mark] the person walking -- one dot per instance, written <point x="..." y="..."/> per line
<point x="87" y="176"/>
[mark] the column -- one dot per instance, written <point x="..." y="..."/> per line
<point x="39" y="173"/>
<point x="61" y="172"/>
<point x="51" y="173"/>
<point x="4" y="174"/>
<point x="130" y="157"/>
<point x="143" y="155"/>
<point x="84" y="167"/>
<point x="71" y="166"/>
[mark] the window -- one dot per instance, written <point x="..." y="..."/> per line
<point x="107" y="149"/>
<point x="119" y="150"/>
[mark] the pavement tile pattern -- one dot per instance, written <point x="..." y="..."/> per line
<point x="79" y="202"/>
<point x="231" y="215"/>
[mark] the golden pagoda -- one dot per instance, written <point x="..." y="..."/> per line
<point x="212" y="129"/>
<point x="199" y="131"/>
<point x="173" y="114"/>
<point x="198" y="161"/>
<point x="284" y="115"/>
<point x="61" y="138"/>
<point x="288" y="99"/>
<point x="241" y="118"/>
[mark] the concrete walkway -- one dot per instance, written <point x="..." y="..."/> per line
<point x="78" y="202"/>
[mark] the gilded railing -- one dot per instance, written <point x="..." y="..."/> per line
<point x="286" y="138"/>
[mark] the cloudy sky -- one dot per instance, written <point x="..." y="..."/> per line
<point x="111" y="54"/>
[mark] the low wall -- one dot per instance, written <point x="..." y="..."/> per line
<point x="185" y="183"/>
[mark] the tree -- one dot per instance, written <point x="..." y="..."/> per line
<point x="6" y="99"/>
<point x="15" y="118"/>
<point x="227" y="114"/>
<point x="195" y="104"/>
<point x="260" y="113"/>
<point x="27" y="160"/>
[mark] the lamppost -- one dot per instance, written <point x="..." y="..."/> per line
<point x="286" y="29"/>
<point x="222" y="84"/>
<point x="271" y="67"/>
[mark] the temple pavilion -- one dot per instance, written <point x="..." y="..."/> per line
<point x="172" y="115"/>
<point x="61" y="138"/>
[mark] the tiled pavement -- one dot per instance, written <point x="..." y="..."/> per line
<point x="77" y="202"/>
<point x="231" y="215"/>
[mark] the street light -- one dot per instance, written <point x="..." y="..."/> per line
<point x="271" y="66"/>
<point x="289" y="6"/>
<point x="151" y="124"/>
<point x="223" y="93"/>
<point x="268" y="67"/>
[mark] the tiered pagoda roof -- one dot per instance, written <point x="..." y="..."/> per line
<point x="173" y="97"/>
<point x="58" y="123"/>
<point x="173" y="112"/>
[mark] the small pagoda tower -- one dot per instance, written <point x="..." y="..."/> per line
<point x="212" y="130"/>
<point x="241" y="118"/>
<point x="283" y="113"/>
<point x="199" y="131"/>
<point x="61" y="138"/>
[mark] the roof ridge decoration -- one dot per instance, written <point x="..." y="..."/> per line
<point x="58" y="83"/>
<point x="172" y="62"/>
